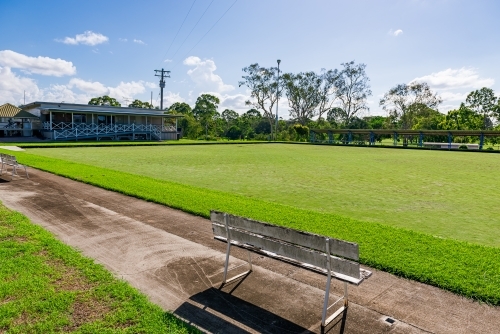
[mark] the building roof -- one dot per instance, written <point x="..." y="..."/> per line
<point x="87" y="109"/>
<point x="11" y="111"/>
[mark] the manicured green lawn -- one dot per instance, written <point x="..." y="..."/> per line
<point x="47" y="287"/>
<point x="446" y="194"/>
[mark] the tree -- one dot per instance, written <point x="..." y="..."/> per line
<point x="265" y="89"/>
<point x="180" y="108"/>
<point x="104" y="101"/>
<point x="352" y="89"/>
<point x="482" y="102"/>
<point x="248" y="122"/>
<point x="140" y="104"/>
<point x="328" y="91"/>
<point x="426" y="118"/>
<point x="304" y="94"/>
<point x="334" y="116"/>
<point x="463" y="118"/>
<point x="402" y="101"/>
<point x="234" y="132"/>
<point x="230" y="118"/>
<point x="205" y="109"/>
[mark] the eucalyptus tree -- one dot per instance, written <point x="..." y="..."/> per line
<point x="352" y="89"/>
<point x="328" y="91"/>
<point x="265" y="89"/>
<point x="483" y="102"/>
<point x="303" y="91"/>
<point x="402" y="101"/>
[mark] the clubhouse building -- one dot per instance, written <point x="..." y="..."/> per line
<point x="67" y="121"/>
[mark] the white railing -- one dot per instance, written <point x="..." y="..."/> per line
<point x="65" y="130"/>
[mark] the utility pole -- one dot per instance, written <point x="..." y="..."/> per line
<point x="277" y="100"/>
<point x="163" y="74"/>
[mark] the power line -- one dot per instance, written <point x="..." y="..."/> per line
<point x="220" y="18"/>
<point x="193" y="29"/>
<point x="179" y="28"/>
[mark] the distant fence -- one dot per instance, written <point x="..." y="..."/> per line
<point x="372" y="134"/>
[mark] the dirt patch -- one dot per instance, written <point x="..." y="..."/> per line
<point x="86" y="310"/>
<point x="16" y="238"/>
<point x="24" y="319"/>
<point x="68" y="278"/>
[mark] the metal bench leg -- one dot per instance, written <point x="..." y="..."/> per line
<point x="341" y="310"/>
<point x="228" y="250"/>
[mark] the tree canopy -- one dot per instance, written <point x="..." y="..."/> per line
<point x="140" y="104"/>
<point x="104" y="101"/>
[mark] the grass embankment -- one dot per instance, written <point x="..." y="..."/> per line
<point x="467" y="269"/>
<point x="47" y="287"/>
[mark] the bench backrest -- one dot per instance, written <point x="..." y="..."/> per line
<point x="310" y="250"/>
<point x="8" y="159"/>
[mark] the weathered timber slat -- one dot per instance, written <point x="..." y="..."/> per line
<point x="340" y="248"/>
<point x="312" y="257"/>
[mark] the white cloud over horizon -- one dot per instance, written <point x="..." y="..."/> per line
<point x="38" y="65"/>
<point x="202" y="74"/>
<point x="456" y="78"/>
<point x="87" y="38"/>
<point x="453" y="85"/>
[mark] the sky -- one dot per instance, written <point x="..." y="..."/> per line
<point x="74" y="50"/>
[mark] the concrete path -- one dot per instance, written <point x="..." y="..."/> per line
<point x="172" y="257"/>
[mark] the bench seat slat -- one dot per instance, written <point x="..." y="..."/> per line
<point x="340" y="248"/>
<point x="299" y="254"/>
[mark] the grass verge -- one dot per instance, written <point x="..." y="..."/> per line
<point x="47" y="287"/>
<point x="467" y="269"/>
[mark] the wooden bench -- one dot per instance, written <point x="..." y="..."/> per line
<point x="331" y="257"/>
<point x="10" y="160"/>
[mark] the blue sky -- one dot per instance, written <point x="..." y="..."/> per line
<point x="74" y="50"/>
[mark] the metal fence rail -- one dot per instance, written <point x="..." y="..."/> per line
<point x="64" y="130"/>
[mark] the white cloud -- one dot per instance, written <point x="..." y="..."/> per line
<point x="170" y="98"/>
<point x="12" y="86"/>
<point x="138" y="41"/>
<point x="453" y="85"/>
<point x="87" y="38"/>
<point x="168" y="60"/>
<point x="234" y="102"/>
<point x="395" y="33"/>
<point x="96" y="88"/>
<point x="127" y="89"/>
<point x="39" y="65"/>
<point x="122" y="39"/>
<point x="453" y="96"/>
<point x="456" y="78"/>
<point x="203" y="75"/>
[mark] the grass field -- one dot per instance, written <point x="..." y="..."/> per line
<point x="47" y="287"/>
<point x="446" y="194"/>
<point x="465" y="268"/>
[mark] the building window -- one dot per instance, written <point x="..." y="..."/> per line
<point x="79" y="118"/>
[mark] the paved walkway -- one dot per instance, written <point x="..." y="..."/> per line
<point x="172" y="257"/>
